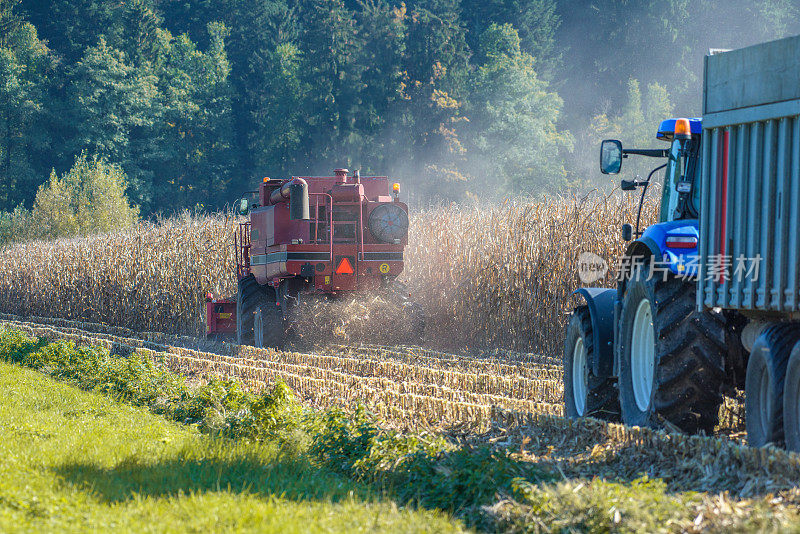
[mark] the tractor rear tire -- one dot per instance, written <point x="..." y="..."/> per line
<point x="268" y="325"/>
<point x="671" y="357"/>
<point x="249" y="298"/>
<point x="791" y="400"/>
<point x="765" y="384"/>
<point x="586" y="395"/>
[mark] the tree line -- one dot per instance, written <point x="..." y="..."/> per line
<point x="196" y="100"/>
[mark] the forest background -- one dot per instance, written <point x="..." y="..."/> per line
<point x="179" y="104"/>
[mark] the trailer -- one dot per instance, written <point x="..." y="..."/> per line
<point x="750" y="223"/>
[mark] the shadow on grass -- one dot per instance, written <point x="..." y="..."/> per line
<point x="191" y="471"/>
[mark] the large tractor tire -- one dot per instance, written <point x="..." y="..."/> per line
<point x="268" y="323"/>
<point x="249" y="298"/>
<point x="766" y="383"/>
<point x="791" y="400"/>
<point x="671" y="357"/>
<point x="586" y="395"/>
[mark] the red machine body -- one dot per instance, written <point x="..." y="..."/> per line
<point x="330" y="235"/>
<point x="337" y="248"/>
<point x="220" y="316"/>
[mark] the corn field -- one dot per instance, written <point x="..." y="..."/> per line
<point x="497" y="276"/>
<point x="150" y="277"/>
<point x="503" y="277"/>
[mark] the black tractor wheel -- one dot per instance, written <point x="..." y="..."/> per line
<point x="249" y="298"/>
<point x="268" y="324"/>
<point x="671" y="357"/>
<point x="586" y="395"/>
<point x="765" y="384"/>
<point x="791" y="400"/>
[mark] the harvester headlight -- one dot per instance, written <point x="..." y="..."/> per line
<point x="388" y="223"/>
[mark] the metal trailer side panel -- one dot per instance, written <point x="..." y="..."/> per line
<point x="739" y="212"/>
<point x="761" y="209"/>
<point x="757" y="75"/>
<point x="792" y="293"/>
<point x="704" y="299"/>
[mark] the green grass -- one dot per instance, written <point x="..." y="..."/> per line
<point x="76" y="461"/>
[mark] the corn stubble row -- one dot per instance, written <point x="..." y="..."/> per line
<point x="486" y="276"/>
<point x="413" y="394"/>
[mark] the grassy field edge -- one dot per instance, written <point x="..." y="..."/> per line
<point x="73" y="460"/>
<point x="488" y="487"/>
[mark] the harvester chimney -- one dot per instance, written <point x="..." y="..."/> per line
<point x="296" y="192"/>
<point x="341" y="174"/>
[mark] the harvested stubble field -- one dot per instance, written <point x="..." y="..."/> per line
<point x="409" y="387"/>
<point x="486" y="400"/>
<point x="487" y="277"/>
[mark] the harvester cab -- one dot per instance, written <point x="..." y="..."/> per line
<point x="311" y="237"/>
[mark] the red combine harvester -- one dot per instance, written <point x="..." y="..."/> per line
<point x="311" y="237"/>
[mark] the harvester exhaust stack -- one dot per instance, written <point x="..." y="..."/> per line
<point x="296" y="191"/>
<point x="298" y="201"/>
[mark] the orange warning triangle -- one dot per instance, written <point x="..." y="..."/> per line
<point x="344" y="267"/>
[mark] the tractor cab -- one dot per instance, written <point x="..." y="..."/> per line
<point x="674" y="238"/>
<point x="680" y="191"/>
<point x="680" y="196"/>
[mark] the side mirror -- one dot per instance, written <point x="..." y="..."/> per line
<point x="627" y="232"/>
<point x="244" y="206"/>
<point x="610" y="156"/>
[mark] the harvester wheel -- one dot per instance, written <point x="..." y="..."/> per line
<point x="765" y="384"/>
<point x="413" y="316"/>
<point x="268" y="325"/>
<point x="671" y="357"/>
<point x="586" y="395"/>
<point x="249" y="298"/>
<point x="288" y="294"/>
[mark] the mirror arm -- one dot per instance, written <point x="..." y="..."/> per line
<point x="641" y="199"/>
<point x="649" y="152"/>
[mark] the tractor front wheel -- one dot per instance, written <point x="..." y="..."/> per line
<point x="584" y="393"/>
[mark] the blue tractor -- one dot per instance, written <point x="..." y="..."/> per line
<point x="644" y="353"/>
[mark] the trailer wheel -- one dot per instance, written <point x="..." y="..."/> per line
<point x="791" y="400"/>
<point x="268" y="324"/>
<point x="764" y="385"/>
<point x="671" y="357"/>
<point x="585" y="395"/>
<point x="249" y="298"/>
